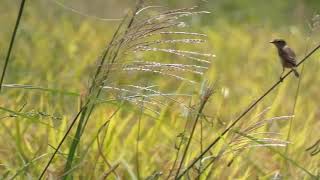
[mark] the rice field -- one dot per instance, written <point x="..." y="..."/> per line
<point x="158" y="90"/>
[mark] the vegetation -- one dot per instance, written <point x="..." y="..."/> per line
<point x="147" y="94"/>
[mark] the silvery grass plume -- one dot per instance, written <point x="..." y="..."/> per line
<point x="134" y="69"/>
<point x="314" y="25"/>
<point x="129" y="67"/>
<point x="248" y="136"/>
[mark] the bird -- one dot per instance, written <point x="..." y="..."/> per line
<point x="287" y="56"/>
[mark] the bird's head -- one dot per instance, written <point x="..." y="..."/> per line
<point x="279" y="43"/>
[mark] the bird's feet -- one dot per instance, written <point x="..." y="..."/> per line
<point x="281" y="79"/>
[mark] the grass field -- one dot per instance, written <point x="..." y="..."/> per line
<point x="164" y="92"/>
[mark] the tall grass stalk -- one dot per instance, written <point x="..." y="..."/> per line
<point x="95" y="91"/>
<point x="312" y="29"/>
<point x="204" y="99"/>
<point x="83" y="110"/>
<point x="235" y="122"/>
<point x="295" y="104"/>
<point x="137" y="34"/>
<point x="6" y="62"/>
<point x="179" y="147"/>
<point x="138" y="143"/>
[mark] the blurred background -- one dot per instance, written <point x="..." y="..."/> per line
<point x="57" y="46"/>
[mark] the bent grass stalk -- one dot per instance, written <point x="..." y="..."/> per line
<point x="235" y="122"/>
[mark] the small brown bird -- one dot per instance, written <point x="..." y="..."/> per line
<point x="287" y="56"/>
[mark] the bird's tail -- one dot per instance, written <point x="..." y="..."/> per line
<point x="296" y="73"/>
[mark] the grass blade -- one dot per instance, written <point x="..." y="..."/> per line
<point x="11" y="43"/>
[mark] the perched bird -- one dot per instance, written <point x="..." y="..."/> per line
<point x="287" y="56"/>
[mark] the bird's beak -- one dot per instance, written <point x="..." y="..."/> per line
<point x="271" y="42"/>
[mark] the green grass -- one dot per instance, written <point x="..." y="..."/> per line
<point x="55" y="57"/>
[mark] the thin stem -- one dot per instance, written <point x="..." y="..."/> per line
<point x="93" y="92"/>
<point x="137" y="143"/>
<point x="11" y="43"/>
<point x="243" y="114"/>
<point x="74" y="144"/>
<point x="295" y="102"/>
<point x="86" y="104"/>
<point x="139" y="138"/>
<point x="178" y="151"/>
<point x="203" y="103"/>
<point x="201" y="148"/>
<point x="314" y="149"/>
<point x="61" y="142"/>
<point x="101" y="142"/>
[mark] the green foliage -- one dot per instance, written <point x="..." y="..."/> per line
<point x="55" y="55"/>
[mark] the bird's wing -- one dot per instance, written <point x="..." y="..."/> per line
<point x="289" y="55"/>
